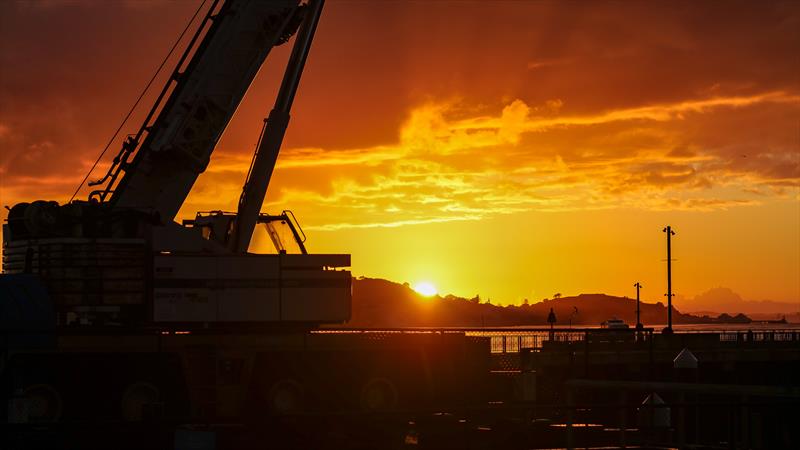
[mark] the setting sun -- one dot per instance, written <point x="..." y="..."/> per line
<point x="425" y="288"/>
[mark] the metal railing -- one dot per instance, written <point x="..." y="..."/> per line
<point x="515" y="340"/>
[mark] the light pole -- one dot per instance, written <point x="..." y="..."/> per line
<point x="638" y="320"/>
<point x="670" y="233"/>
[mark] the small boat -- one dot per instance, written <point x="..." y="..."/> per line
<point x="615" y="324"/>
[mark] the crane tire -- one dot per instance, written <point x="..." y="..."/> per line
<point x="285" y="396"/>
<point x="379" y="394"/>
<point x="43" y="403"/>
<point x="134" y="399"/>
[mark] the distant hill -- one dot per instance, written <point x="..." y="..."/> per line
<point x="382" y="303"/>
<point x="790" y="318"/>
<point x="725" y="300"/>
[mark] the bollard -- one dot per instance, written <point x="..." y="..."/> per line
<point x="685" y="360"/>
<point x="654" y="417"/>
<point x="685" y="370"/>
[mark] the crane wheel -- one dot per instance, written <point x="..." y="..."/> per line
<point x="285" y="396"/>
<point x="135" y="398"/>
<point x="43" y="402"/>
<point x="379" y="394"/>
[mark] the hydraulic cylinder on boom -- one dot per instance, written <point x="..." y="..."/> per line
<point x="255" y="187"/>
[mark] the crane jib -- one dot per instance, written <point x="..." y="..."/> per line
<point x="179" y="143"/>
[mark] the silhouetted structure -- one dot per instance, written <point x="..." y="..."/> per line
<point x="670" y="233"/>
<point x="638" y="317"/>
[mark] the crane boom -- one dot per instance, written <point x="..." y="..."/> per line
<point x="179" y="144"/>
<point x="255" y="187"/>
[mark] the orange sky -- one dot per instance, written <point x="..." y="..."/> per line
<point x="510" y="149"/>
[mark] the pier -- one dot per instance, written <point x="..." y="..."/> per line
<point x="525" y="388"/>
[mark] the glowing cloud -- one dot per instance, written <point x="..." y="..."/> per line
<point x="451" y="164"/>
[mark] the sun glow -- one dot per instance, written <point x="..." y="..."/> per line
<point x="425" y="288"/>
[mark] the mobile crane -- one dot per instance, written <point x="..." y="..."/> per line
<point x="111" y="307"/>
<point x="120" y="258"/>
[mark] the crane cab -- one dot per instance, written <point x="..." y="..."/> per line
<point x="283" y="230"/>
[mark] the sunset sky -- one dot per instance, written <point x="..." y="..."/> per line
<point x="507" y="149"/>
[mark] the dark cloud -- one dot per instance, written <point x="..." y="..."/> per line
<point x="72" y="69"/>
